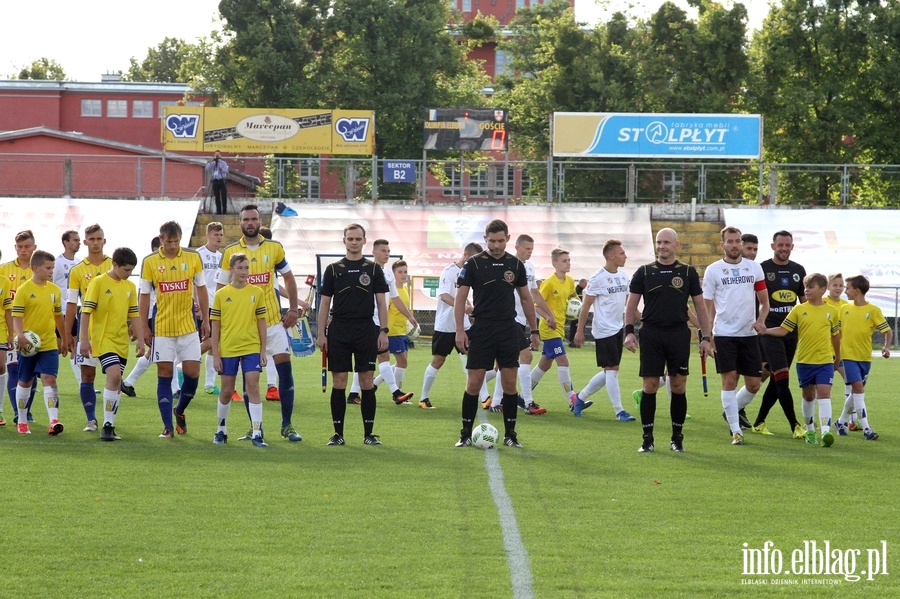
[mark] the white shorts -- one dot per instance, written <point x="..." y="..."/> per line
<point x="86" y="360"/>
<point x="184" y="348"/>
<point x="277" y="340"/>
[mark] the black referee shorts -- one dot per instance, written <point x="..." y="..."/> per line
<point x="493" y="342"/>
<point x="352" y="342"/>
<point x="664" y="350"/>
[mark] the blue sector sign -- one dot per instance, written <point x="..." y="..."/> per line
<point x="633" y="135"/>
<point x="398" y="172"/>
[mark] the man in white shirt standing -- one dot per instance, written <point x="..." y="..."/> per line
<point x="731" y="288"/>
<point x="71" y="242"/>
<point x="211" y="258"/>
<point x="607" y="291"/>
<point x="444" y="339"/>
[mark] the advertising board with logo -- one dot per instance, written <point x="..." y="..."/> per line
<point x="634" y="135"/>
<point x="264" y="131"/>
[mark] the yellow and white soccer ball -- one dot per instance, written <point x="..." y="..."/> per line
<point x="412" y="332"/>
<point x="573" y="308"/>
<point x="485" y="436"/>
<point x="33" y="347"/>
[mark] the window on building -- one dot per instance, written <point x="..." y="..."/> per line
<point x="308" y="171"/>
<point x="117" y="108"/>
<point x="520" y="3"/>
<point x="466" y="6"/>
<point x="454" y="180"/>
<point x="501" y="63"/>
<point x="142" y="109"/>
<point x="91" y="108"/>
<point x="162" y="106"/>
<point x="491" y="182"/>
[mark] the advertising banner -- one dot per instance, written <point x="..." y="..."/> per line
<point x="634" y="135"/>
<point x="268" y="131"/>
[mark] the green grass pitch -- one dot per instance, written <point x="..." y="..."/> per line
<point x="146" y="517"/>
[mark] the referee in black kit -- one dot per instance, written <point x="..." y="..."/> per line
<point x="665" y="286"/>
<point x="352" y="340"/>
<point x="495" y="337"/>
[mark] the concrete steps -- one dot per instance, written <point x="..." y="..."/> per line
<point x="699" y="241"/>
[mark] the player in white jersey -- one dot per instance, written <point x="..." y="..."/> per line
<point x="607" y="292"/>
<point x="524" y="249"/>
<point x="71" y="243"/>
<point x="381" y="253"/>
<point x="211" y="258"/>
<point x="64" y="262"/>
<point x="732" y="287"/>
<point x="443" y="341"/>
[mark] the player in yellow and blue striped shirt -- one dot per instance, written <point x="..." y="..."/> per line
<point x="108" y="304"/>
<point x="174" y="272"/>
<point x="239" y="340"/>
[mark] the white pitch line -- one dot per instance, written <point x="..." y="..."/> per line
<point x="516" y="554"/>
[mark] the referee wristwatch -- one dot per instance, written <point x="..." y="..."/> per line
<point x="384" y="329"/>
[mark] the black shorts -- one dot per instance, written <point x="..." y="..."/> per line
<point x="493" y="342"/>
<point x="779" y="351"/>
<point x="352" y="342"/>
<point x="112" y="360"/>
<point x="443" y="343"/>
<point x="740" y="354"/>
<point x="665" y="350"/>
<point x="609" y="350"/>
<point x="525" y="338"/>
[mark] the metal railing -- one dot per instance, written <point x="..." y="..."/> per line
<point x="455" y="180"/>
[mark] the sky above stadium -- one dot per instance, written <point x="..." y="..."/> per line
<point x="93" y="37"/>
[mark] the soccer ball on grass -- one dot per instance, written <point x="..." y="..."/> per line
<point x="33" y="347"/>
<point x="485" y="436"/>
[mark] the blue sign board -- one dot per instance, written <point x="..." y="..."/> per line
<point x="633" y="135"/>
<point x="395" y="171"/>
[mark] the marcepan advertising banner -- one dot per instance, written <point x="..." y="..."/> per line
<point x="636" y="135"/>
<point x="268" y="130"/>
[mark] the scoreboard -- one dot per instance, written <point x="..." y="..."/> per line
<point x="466" y="129"/>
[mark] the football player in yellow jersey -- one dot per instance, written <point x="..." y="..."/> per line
<point x="6" y="339"/>
<point x="818" y="352"/>
<point x="37" y="307"/>
<point x="239" y="334"/>
<point x="859" y="319"/>
<point x="94" y="264"/>
<point x="174" y="272"/>
<point x="833" y="298"/>
<point x="556" y="290"/>
<point x="108" y="303"/>
<point x="266" y="258"/>
<point x="16" y="272"/>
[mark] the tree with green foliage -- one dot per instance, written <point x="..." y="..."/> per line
<point x="162" y="64"/>
<point x="43" y="68"/>
<point x="824" y="73"/>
